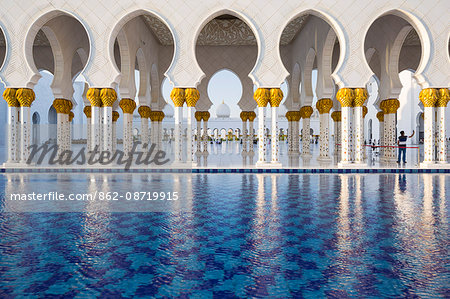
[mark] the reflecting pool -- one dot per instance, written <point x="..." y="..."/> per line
<point x="227" y="235"/>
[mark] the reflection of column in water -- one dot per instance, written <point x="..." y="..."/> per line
<point x="442" y="201"/>
<point x="359" y="182"/>
<point x="343" y="232"/>
<point x="274" y="181"/>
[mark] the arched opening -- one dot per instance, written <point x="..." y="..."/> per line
<point x="310" y="51"/>
<point x="142" y="46"/>
<point x="225" y="90"/>
<point x="57" y="47"/>
<point x="392" y="44"/>
<point x="226" y="41"/>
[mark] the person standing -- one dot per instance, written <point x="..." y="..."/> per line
<point x="401" y="142"/>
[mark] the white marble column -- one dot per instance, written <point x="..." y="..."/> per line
<point x="88" y="113"/>
<point x="360" y="98"/>
<point x="346" y="97"/>
<point x="69" y="126"/>
<point x="251" y="118"/>
<point x="324" y="106"/>
<point x="296" y="132"/>
<point x="390" y="107"/>
<point x="115" y="117"/>
<point x="428" y="97"/>
<point x="380" y="116"/>
<point x="93" y="95"/>
<point x="336" y="116"/>
<point x="108" y="97"/>
<point x="306" y="112"/>
<point x="198" y="118"/>
<point x="205" y="153"/>
<point x="128" y="106"/>
<point x="13" y="124"/>
<point x="144" y="112"/>
<point x="192" y="95"/>
<point x="178" y="98"/>
<point x="359" y="132"/>
<point x="261" y="137"/>
<point x="25" y="97"/>
<point x="275" y="137"/>
<point x="444" y="97"/>
<point x="262" y="97"/>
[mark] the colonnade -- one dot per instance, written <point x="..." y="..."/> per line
<point x="348" y="126"/>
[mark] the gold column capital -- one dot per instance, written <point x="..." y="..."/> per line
<point x="71" y="116"/>
<point x="422" y="115"/>
<point x="345" y="96"/>
<point x="276" y="96"/>
<point x="206" y="115"/>
<point x="115" y="116"/>
<point x="262" y="97"/>
<point x="62" y="106"/>
<point x="380" y="116"/>
<point x="361" y="96"/>
<point x="144" y="111"/>
<point x="324" y="105"/>
<point x="87" y="111"/>
<point x="93" y="96"/>
<point x="108" y="96"/>
<point x="390" y="106"/>
<point x="178" y="97"/>
<point x="365" y="110"/>
<point x="428" y="97"/>
<point x="296" y="116"/>
<point x="251" y="115"/>
<point x="444" y="97"/>
<point x="243" y="115"/>
<point x="191" y="95"/>
<point x="199" y="115"/>
<point x="10" y="97"/>
<point x="306" y="111"/>
<point x="127" y="105"/>
<point x="25" y="96"/>
<point x="289" y="115"/>
<point x="336" y="116"/>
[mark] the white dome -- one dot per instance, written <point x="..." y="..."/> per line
<point x="168" y="111"/>
<point x="223" y="111"/>
<point x="282" y="111"/>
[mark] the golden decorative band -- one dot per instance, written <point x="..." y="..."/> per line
<point x="390" y="106"/>
<point x="380" y="116"/>
<point x="178" y="97"/>
<point x="127" y="105"/>
<point x="262" y="96"/>
<point x="10" y="97"/>
<point x="191" y="95"/>
<point x="87" y="111"/>
<point x="306" y="111"/>
<point x="25" y="96"/>
<point x="144" y="111"/>
<point x="336" y="116"/>
<point x="324" y="105"/>
<point x="115" y="116"/>
<point x="93" y="95"/>
<point x="276" y="96"/>
<point x="444" y="97"/>
<point x="108" y="96"/>
<point x="361" y="96"/>
<point x="346" y="97"/>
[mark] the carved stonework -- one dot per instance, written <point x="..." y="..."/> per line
<point x="224" y="32"/>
